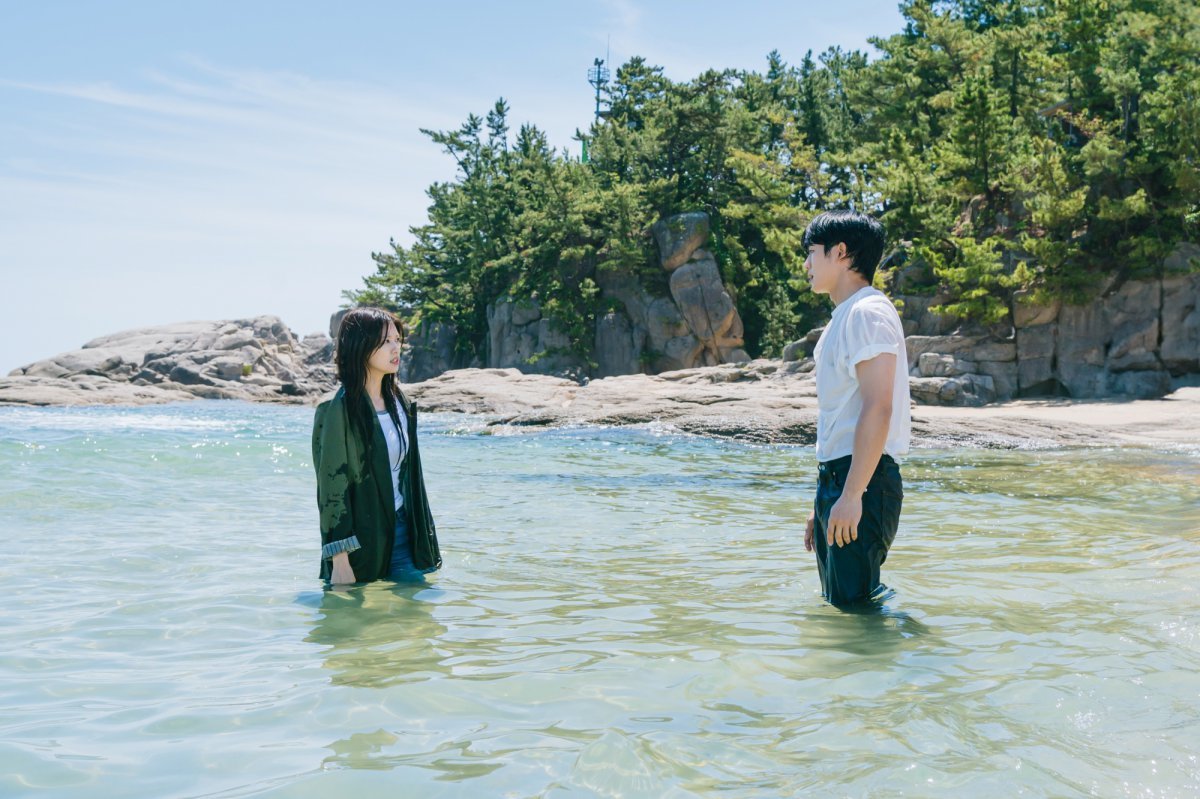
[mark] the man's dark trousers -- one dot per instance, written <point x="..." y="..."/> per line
<point x="850" y="573"/>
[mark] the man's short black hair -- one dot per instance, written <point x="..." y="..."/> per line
<point x="863" y="236"/>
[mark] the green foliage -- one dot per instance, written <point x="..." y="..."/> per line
<point x="974" y="271"/>
<point x="1009" y="145"/>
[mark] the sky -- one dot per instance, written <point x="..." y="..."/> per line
<point x="171" y="161"/>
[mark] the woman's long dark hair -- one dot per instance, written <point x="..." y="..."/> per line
<point x="362" y="331"/>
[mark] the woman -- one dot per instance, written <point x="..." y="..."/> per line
<point x="375" y="519"/>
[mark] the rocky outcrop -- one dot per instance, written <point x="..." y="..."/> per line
<point x="708" y="310"/>
<point x="697" y="325"/>
<point x="520" y="337"/>
<point x="1139" y="339"/>
<point x="754" y="401"/>
<point x="775" y="402"/>
<point x="251" y="359"/>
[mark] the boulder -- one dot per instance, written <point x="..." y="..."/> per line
<point x="978" y="348"/>
<point x="969" y="390"/>
<point x="679" y="236"/>
<point x="931" y="364"/>
<point x="316" y="349"/>
<point x="1004" y="377"/>
<point x="705" y="305"/>
<point x="335" y="322"/>
<point x="96" y="361"/>
<point x="804" y="347"/>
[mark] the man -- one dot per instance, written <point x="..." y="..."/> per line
<point x="863" y="418"/>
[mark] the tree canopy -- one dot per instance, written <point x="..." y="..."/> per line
<point x="1006" y="145"/>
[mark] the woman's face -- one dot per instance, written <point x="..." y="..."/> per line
<point x="385" y="360"/>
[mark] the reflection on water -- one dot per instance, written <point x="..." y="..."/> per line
<point x="378" y="635"/>
<point x="622" y="613"/>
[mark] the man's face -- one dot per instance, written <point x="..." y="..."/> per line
<point x="823" y="268"/>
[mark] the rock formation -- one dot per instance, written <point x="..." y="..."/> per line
<point x="1139" y="338"/>
<point x="697" y="325"/>
<point x="252" y="359"/>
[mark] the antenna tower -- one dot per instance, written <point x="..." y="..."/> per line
<point x="598" y="77"/>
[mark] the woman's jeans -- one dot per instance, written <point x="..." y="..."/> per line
<point x="402" y="569"/>
<point x="850" y="573"/>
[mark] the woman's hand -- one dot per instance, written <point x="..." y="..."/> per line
<point x="808" y="532"/>
<point x="343" y="572"/>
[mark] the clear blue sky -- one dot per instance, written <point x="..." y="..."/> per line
<point x="166" y="161"/>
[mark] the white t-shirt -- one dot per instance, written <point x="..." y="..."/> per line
<point x="864" y="325"/>
<point x="397" y="444"/>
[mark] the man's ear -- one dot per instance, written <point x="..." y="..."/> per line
<point x="840" y="252"/>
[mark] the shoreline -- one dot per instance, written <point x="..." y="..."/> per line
<point x="761" y="403"/>
<point x="765" y="402"/>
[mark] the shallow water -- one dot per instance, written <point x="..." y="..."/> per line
<point x="622" y="613"/>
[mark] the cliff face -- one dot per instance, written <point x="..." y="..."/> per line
<point x="696" y="324"/>
<point x="1137" y="339"/>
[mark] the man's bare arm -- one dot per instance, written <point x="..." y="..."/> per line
<point x="875" y="380"/>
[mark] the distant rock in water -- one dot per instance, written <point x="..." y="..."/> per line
<point x="257" y="359"/>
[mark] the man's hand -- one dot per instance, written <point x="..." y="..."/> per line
<point x="343" y="572"/>
<point x="842" y="527"/>
<point x="808" y="531"/>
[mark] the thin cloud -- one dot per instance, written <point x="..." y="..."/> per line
<point x="218" y="192"/>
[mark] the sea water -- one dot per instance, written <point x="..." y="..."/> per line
<point x="622" y="613"/>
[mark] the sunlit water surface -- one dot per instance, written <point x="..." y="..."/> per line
<point x="622" y="613"/>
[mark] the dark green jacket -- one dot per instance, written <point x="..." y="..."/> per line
<point x="355" y="497"/>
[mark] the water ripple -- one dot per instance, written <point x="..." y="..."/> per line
<point x="622" y="613"/>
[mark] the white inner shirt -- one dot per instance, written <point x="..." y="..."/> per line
<point x="397" y="444"/>
<point x="864" y="325"/>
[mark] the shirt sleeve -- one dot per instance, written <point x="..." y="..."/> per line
<point x="871" y="331"/>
